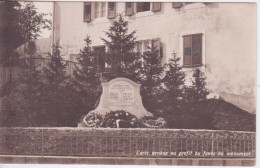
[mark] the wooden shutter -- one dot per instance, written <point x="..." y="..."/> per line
<point x="129" y="8"/>
<point x="187" y="50"/>
<point x="196" y="49"/>
<point x="176" y="4"/>
<point x="111" y="10"/>
<point x="87" y="11"/>
<point x="139" y="6"/>
<point x="156" y="6"/>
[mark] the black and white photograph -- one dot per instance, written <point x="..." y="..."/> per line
<point x="128" y="83"/>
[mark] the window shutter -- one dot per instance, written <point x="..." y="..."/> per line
<point x="156" y="6"/>
<point x="111" y="10"/>
<point x="176" y="4"/>
<point x="187" y="50"/>
<point x="129" y="8"/>
<point x="196" y="49"/>
<point x="87" y="11"/>
<point x="139" y="6"/>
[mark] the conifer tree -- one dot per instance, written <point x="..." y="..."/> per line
<point x="120" y="58"/>
<point x="173" y="81"/>
<point x="55" y="98"/>
<point x="152" y="70"/>
<point x="88" y="77"/>
<point x="197" y="91"/>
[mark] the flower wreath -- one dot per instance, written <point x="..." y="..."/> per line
<point x="152" y="122"/>
<point x="93" y="119"/>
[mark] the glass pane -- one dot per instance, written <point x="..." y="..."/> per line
<point x="103" y="9"/>
<point x="146" y="6"/>
<point x="111" y="5"/>
<point x="96" y="10"/>
<point x="87" y="9"/>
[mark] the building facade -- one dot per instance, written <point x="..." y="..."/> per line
<point x="219" y="38"/>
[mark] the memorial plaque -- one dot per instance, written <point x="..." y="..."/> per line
<point x="121" y="94"/>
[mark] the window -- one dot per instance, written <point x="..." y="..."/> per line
<point x="87" y="11"/>
<point x="129" y="8"/>
<point x="100" y="9"/>
<point x="192" y="50"/>
<point x="143" y="46"/>
<point x="111" y="10"/>
<point x="136" y="7"/>
<point x="100" y="55"/>
<point x="142" y="6"/>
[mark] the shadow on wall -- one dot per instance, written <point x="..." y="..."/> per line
<point x="244" y="102"/>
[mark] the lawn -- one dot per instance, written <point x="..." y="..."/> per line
<point x="213" y="114"/>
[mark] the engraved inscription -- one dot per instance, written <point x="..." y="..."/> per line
<point x="121" y="92"/>
<point x="127" y="96"/>
<point x="114" y="96"/>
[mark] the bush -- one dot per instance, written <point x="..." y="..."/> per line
<point x="173" y="82"/>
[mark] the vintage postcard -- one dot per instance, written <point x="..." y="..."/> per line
<point x="128" y="83"/>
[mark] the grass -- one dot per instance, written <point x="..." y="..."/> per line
<point x="211" y="114"/>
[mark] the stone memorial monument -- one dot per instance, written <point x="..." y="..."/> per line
<point x="121" y="94"/>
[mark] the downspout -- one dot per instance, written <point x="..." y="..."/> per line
<point x="53" y="22"/>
